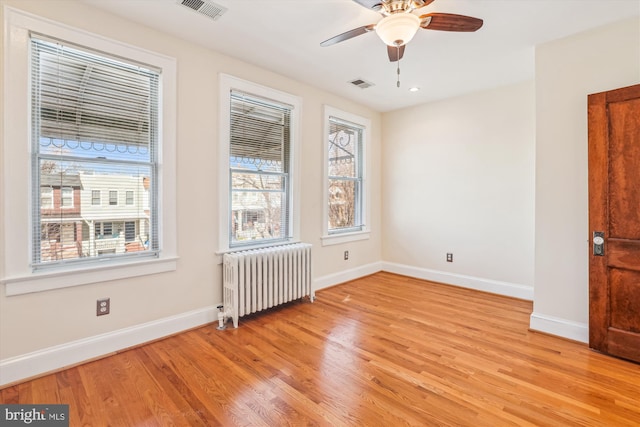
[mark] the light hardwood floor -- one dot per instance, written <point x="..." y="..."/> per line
<point x="385" y="350"/>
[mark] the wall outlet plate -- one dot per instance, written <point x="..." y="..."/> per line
<point x="103" y="306"/>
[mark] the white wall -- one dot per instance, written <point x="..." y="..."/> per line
<point x="566" y="72"/>
<point x="458" y="176"/>
<point x="46" y="330"/>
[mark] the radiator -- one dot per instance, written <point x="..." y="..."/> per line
<point x="259" y="279"/>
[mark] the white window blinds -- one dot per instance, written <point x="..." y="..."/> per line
<point x="94" y="131"/>
<point x="259" y="159"/>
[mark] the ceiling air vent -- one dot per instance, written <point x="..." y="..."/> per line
<point x="362" y="84"/>
<point x="207" y="8"/>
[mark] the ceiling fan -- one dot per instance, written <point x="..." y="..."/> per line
<point x="400" y="24"/>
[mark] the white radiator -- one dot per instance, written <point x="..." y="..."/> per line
<point x="259" y="279"/>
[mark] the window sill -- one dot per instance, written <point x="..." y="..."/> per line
<point x="336" y="239"/>
<point x="45" y="281"/>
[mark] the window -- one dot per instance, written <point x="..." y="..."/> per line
<point x="345" y="176"/>
<point x="95" y="124"/>
<point x="129" y="198"/>
<point x="80" y="139"/>
<point x="66" y="197"/>
<point x="105" y="230"/>
<point x="259" y="159"/>
<point x="259" y="168"/>
<point x="129" y="231"/>
<point x="51" y="232"/>
<point x="113" y="198"/>
<point x="346" y="190"/>
<point x="46" y="198"/>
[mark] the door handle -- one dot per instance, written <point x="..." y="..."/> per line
<point x="598" y="243"/>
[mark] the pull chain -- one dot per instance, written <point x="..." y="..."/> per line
<point x="398" y="70"/>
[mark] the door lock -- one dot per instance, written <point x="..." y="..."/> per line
<point x="598" y="243"/>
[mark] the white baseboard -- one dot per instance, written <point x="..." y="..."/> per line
<point x="55" y="358"/>
<point x="58" y="357"/>
<point x="561" y="327"/>
<point x="486" y="285"/>
<point x="347" y="275"/>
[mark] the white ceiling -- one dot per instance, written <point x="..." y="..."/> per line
<point x="284" y="36"/>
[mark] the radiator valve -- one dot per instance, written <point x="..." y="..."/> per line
<point x="221" y="325"/>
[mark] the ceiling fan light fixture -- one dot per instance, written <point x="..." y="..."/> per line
<point x="398" y="29"/>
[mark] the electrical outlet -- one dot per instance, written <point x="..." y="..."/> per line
<point x="449" y="257"/>
<point x="103" y="306"/>
<point x="346" y="255"/>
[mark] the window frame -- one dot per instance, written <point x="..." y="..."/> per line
<point x="50" y="192"/>
<point x="362" y="231"/>
<point x="113" y="197"/>
<point x="94" y="198"/>
<point x="69" y="197"/>
<point x="18" y="275"/>
<point x="227" y="84"/>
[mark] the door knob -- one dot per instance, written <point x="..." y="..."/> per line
<point x="598" y="243"/>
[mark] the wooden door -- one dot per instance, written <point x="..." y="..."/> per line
<point x="614" y="210"/>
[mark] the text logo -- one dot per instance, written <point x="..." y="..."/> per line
<point x="34" y="415"/>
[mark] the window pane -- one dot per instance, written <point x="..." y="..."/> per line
<point x="259" y="134"/>
<point x="67" y="197"/>
<point x="342" y="204"/>
<point x="257" y="216"/>
<point x="88" y="229"/>
<point x="343" y="154"/>
<point x="91" y="98"/>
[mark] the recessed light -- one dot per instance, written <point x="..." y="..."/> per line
<point x="414" y="89"/>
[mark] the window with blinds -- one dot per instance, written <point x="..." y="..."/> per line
<point x="259" y="168"/>
<point x="344" y="172"/>
<point x="94" y="132"/>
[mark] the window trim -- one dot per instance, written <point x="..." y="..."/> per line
<point x="336" y="237"/>
<point x="227" y="83"/>
<point x="18" y="275"/>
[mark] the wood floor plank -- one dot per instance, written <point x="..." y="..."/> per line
<point x="378" y="351"/>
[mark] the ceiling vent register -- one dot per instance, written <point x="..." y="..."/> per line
<point x="362" y="84"/>
<point x="207" y="8"/>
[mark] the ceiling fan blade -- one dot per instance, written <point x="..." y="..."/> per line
<point x="395" y="53"/>
<point x="450" y="22"/>
<point x="348" y="35"/>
